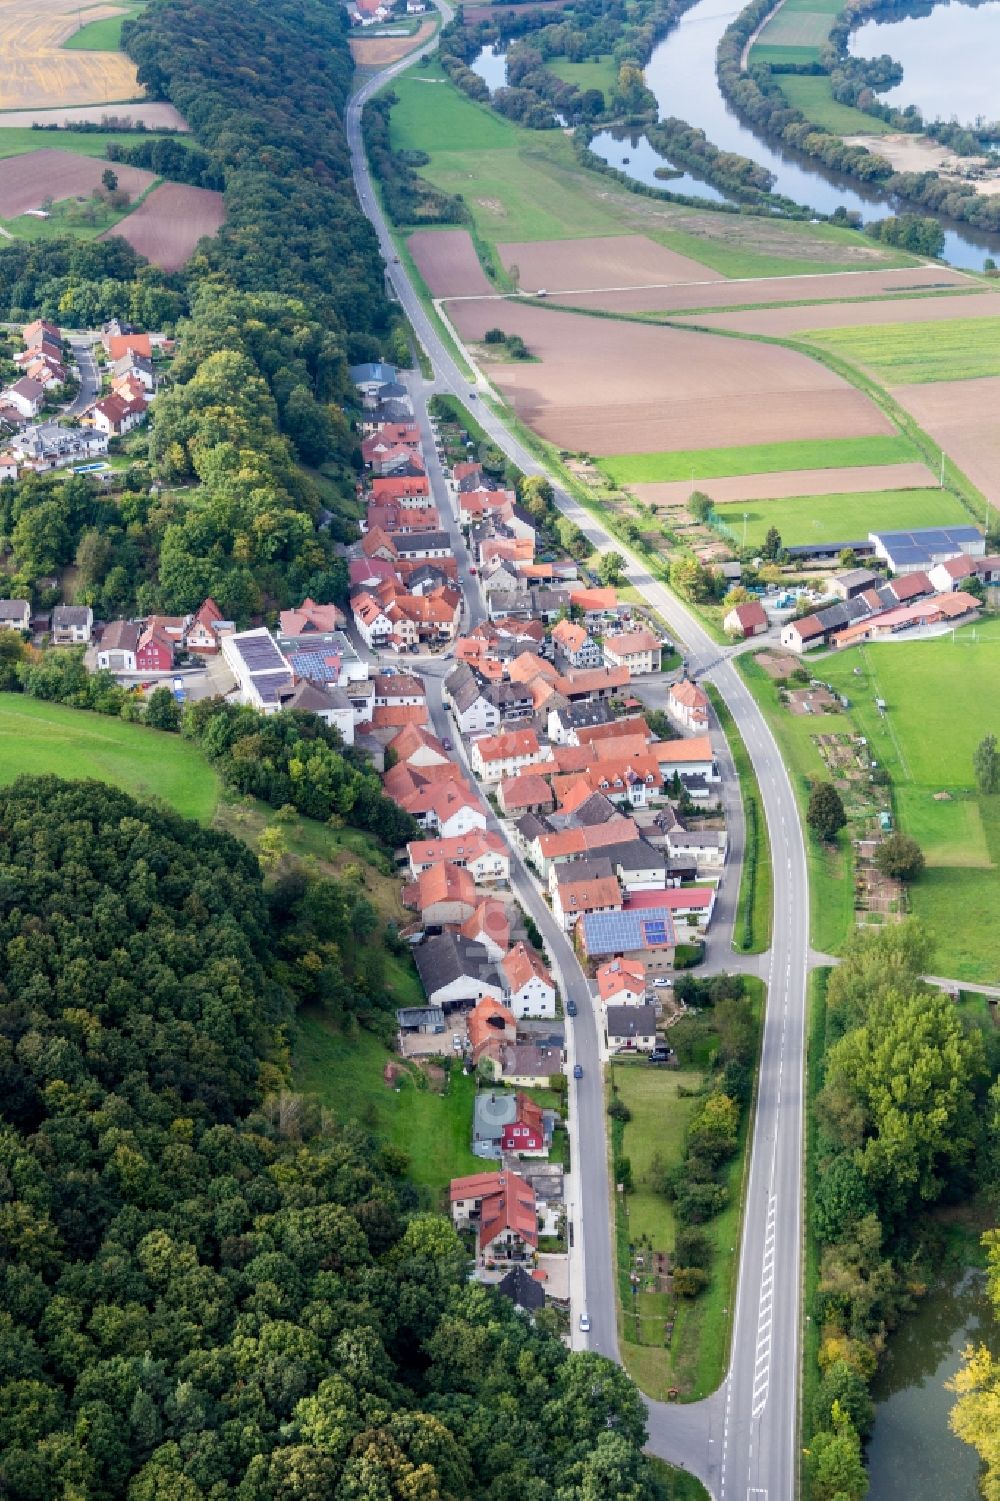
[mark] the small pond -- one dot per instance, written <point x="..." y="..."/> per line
<point x="913" y="1454"/>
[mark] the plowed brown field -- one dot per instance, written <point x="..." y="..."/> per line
<point x="167" y="226"/>
<point x="961" y="415"/>
<point x="860" y="481"/>
<point x="777" y="289"/>
<point x="793" y="320"/>
<point x="152" y="115"/>
<point x="36" y="71"/>
<point x="379" y="51"/>
<point x="604" y="261"/>
<point x="25" y="181"/>
<point x="605" y="387"/>
<point x="448" y="263"/>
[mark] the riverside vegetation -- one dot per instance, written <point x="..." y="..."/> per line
<point x="904" y="1118"/>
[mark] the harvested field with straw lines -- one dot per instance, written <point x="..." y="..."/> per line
<point x="37" y="71"/>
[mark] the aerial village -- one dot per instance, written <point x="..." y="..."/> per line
<point x="540" y="729"/>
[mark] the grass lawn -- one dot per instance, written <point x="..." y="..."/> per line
<point x="695" y="1360"/>
<point x="938" y="707"/>
<point x="757" y="458"/>
<point x="831" y="891"/>
<point x="832" y="518"/>
<point x="814" y="97"/>
<point x="345" y="1072"/>
<point x="756" y="898"/>
<point x="593" y="73"/>
<point x="40" y="739"/>
<point x="911" y="353"/>
<point x="18" y="140"/>
<point x="101" y="36"/>
<point x="678" y="1484"/>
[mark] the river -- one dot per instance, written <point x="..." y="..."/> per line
<point x="952" y="41"/>
<point x="912" y="1454"/>
<point x="681" y="74"/>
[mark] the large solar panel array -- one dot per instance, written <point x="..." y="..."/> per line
<point x="317" y="666"/>
<point x="622" y="932"/>
<point x="932" y="537"/>
<point x="260" y="653"/>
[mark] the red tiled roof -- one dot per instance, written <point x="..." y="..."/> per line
<point x="521" y="965"/>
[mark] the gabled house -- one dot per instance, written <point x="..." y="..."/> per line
<point x="528" y="792"/>
<point x="15" y="615"/>
<point x="688" y="704"/>
<point x="575" y="645"/>
<point x="455" y="973"/>
<point x="206" y="628"/>
<point x="582" y="887"/>
<point x="622" y="982"/>
<point x="155" y="651"/>
<point x="630" y="1029"/>
<point x="494" y="757"/>
<point x="490" y="1025"/>
<point x="116" y="652"/>
<point x="72" y="625"/>
<point x="750" y="619"/>
<point x="474" y="714"/>
<point x="639" y="651"/>
<point x="443" y="893"/>
<point x="26" y="395"/>
<point x="327" y="702"/>
<point x="490" y="926"/>
<point x="310" y="621"/>
<point x="483" y="855"/>
<point x="502" y="1208"/>
<point x="528" y="986"/>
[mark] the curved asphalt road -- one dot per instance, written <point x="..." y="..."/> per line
<point x="742" y="1441"/>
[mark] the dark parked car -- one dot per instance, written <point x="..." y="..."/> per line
<point x="578" y="1071"/>
<point x="571" y="1008"/>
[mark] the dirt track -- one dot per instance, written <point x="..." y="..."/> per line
<point x="605" y="387"/>
<point x="604" y="261"/>
<point x="25" y="181"/>
<point x="793" y="320"/>
<point x="448" y="263"/>
<point x="777" y="289"/>
<point x="961" y="415"/>
<point x="858" y="481"/>
<point x="168" y="225"/>
<point x="379" y="51"/>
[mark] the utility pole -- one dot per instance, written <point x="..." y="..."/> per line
<point x="746" y="517"/>
<point x="942" y="469"/>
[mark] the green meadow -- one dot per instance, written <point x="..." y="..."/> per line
<point x="925" y="740"/>
<point x="833" y="518"/>
<point x="813" y="96"/>
<point x="42" y="739"/>
<point x="910" y="353"/>
<point x="524" y="184"/>
<point x="757" y="458"/>
<point x="18" y="140"/>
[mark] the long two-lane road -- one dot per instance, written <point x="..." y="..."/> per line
<point x="743" y="1441"/>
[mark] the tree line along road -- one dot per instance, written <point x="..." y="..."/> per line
<point x="743" y="1441"/>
